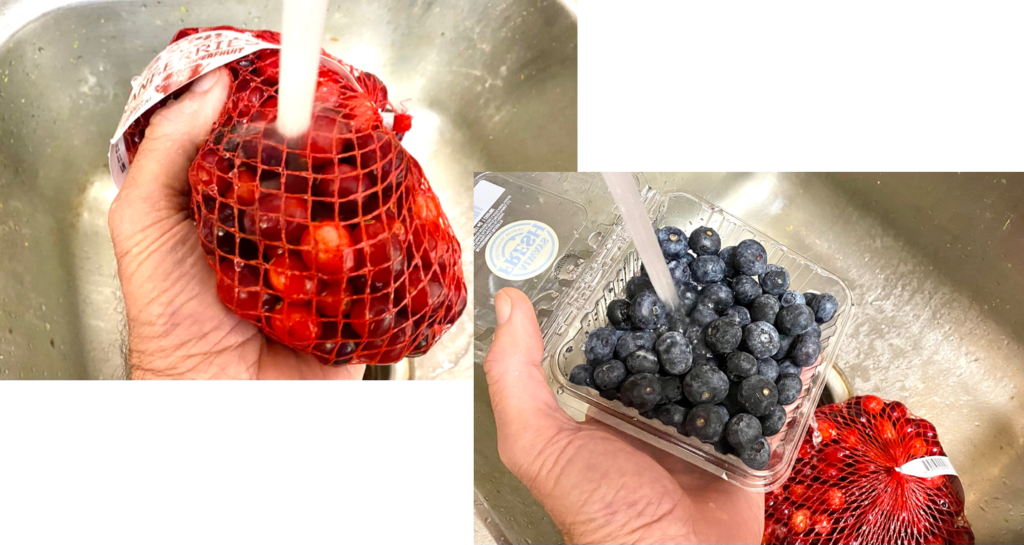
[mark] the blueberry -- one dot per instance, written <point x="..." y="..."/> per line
<point x="645" y="310"/>
<point x="618" y="314"/>
<point x="787" y="367"/>
<point x="671" y="389"/>
<point x="705" y="241"/>
<point x="775" y="280"/>
<point x="707" y="269"/>
<point x="673" y="242"/>
<point x="723" y="336"/>
<point x="674" y="353"/>
<point x="649" y="413"/>
<point x="609" y="374"/>
<point x="814" y="331"/>
<point x="637" y="285"/>
<point x="785" y="343"/>
<point x="764" y="309"/>
<point x="688" y="294"/>
<point x="761" y="339"/>
<point x="610" y="394"/>
<point x="641" y="391"/>
<point x="805" y="351"/>
<point x="728" y="255"/>
<point x="632" y="341"/>
<point x="703" y="316"/>
<point x="582" y="375"/>
<point x="679" y="271"/>
<point x="768" y="368"/>
<point x="672" y="415"/>
<point x="705" y="361"/>
<point x="705" y="384"/>
<point x="745" y="289"/>
<point x="687" y="259"/>
<point x="731" y="402"/>
<point x="791" y="298"/>
<point x="715" y="296"/>
<point x="743" y="430"/>
<point x="642" y="361"/>
<point x="600" y="345"/>
<point x="789" y="388"/>
<point x="705" y="422"/>
<point x="722" y="446"/>
<point x="677" y="321"/>
<point x="756" y="456"/>
<point x="751" y="258"/>
<point x="738" y="313"/>
<point x="772" y="422"/>
<point x="809" y="298"/>
<point x="758" y="395"/>
<point x="794" y="319"/>
<point x="740" y="365"/>
<point x="693" y="333"/>
<point x="824" y="307"/>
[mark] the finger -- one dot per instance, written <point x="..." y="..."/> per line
<point x="525" y="411"/>
<point x="157" y="183"/>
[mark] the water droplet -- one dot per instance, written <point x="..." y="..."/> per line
<point x="560" y="390"/>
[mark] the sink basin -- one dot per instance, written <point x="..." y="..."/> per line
<point x="934" y="262"/>
<point x="489" y="86"/>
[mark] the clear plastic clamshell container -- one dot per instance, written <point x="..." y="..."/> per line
<point x="603" y="260"/>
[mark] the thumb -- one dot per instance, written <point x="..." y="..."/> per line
<point x="525" y="411"/>
<point x="157" y="183"/>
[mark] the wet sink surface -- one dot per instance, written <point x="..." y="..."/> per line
<point x="480" y="78"/>
<point x="935" y="265"/>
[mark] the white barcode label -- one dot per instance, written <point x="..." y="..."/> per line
<point x="929" y="466"/>
<point x="484" y="195"/>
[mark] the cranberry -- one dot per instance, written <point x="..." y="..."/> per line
<point x="381" y="241"/>
<point x="799" y="521"/>
<point x="897" y="411"/>
<point x="822" y="524"/>
<point x="295" y="324"/>
<point x="884" y="430"/>
<point x="290" y="277"/>
<point x="374" y="149"/>
<point x="238" y="288"/>
<point x="797" y="491"/>
<point x="371" y="317"/>
<point x="827" y="430"/>
<point x="344" y="183"/>
<point x="328" y="249"/>
<point x="426" y="293"/>
<point x="334" y="300"/>
<point x="872" y="404"/>
<point x="271" y="209"/>
<point x="834" y="499"/>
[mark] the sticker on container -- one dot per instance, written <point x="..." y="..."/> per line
<point x="521" y="250"/>
<point x="484" y="195"/>
<point x="929" y="466"/>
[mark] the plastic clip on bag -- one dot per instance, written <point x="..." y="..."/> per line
<point x="873" y="473"/>
<point x="333" y="243"/>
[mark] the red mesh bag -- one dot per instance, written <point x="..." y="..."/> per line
<point x="846" y="488"/>
<point x="333" y="243"/>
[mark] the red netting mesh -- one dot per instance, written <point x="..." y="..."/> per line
<point x="845" y="488"/>
<point x="334" y="243"/>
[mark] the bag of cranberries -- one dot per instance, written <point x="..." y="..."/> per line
<point x="868" y="472"/>
<point x="332" y="243"/>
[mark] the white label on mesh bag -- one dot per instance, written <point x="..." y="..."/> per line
<point x="178" y="64"/>
<point x="929" y="466"/>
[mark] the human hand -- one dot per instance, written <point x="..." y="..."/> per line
<point x="599" y="485"/>
<point x="177" y="327"/>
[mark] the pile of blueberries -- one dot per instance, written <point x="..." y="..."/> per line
<point x="724" y="365"/>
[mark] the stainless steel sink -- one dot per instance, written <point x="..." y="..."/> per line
<point x="491" y="86"/>
<point x="936" y="266"/>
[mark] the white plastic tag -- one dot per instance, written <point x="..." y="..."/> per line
<point x="929" y="466"/>
<point x="484" y="195"/>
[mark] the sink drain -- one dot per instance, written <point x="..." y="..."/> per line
<point x="837" y="387"/>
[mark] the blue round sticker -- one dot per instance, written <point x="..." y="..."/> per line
<point x="521" y="250"/>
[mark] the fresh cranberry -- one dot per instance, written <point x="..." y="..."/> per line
<point x="328" y="249"/>
<point x="273" y="209"/>
<point x="797" y="491"/>
<point x="827" y="430"/>
<point x="243" y="190"/>
<point x="345" y="184"/>
<point x="295" y="324"/>
<point x="872" y="404"/>
<point x="426" y="294"/>
<point x="884" y="430"/>
<point x="381" y="242"/>
<point x="822" y="524"/>
<point x="799" y="521"/>
<point x="290" y="277"/>
<point x="238" y="287"/>
<point x="371" y="317"/>
<point x="834" y="499"/>
<point x="334" y="300"/>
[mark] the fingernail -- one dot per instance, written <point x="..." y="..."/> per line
<point x="502" y="307"/>
<point x="205" y="81"/>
